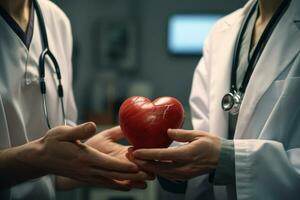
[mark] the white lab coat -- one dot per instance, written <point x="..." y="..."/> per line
<point x="21" y="115"/>
<point x="267" y="137"/>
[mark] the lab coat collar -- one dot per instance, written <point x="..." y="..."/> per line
<point x="232" y="20"/>
<point x="279" y="53"/>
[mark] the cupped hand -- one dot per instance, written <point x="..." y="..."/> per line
<point x="199" y="155"/>
<point x="105" y="142"/>
<point x="60" y="152"/>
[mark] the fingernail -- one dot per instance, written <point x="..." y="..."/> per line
<point x="134" y="168"/>
<point x="129" y="156"/>
<point x="130" y="149"/>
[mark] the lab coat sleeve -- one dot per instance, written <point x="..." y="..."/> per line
<point x="266" y="170"/>
<point x="225" y="171"/>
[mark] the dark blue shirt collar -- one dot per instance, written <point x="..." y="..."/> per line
<point x="26" y="37"/>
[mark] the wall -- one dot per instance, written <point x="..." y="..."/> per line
<point x="176" y="72"/>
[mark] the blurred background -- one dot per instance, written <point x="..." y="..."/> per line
<point x="124" y="48"/>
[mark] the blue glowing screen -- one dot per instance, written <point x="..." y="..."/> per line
<point x="186" y="33"/>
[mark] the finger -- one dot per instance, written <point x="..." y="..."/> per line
<point x="138" y="184"/>
<point x="131" y="158"/>
<point x="181" y="135"/>
<point x="172" y="153"/>
<point x="150" y="175"/>
<point x="159" y="167"/>
<point x="121" y="186"/>
<point x="129" y="154"/>
<point x="109" y="183"/>
<point x="104" y="161"/>
<point x="131" y="150"/>
<point x="81" y="132"/>
<point x="139" y="176"/>
<point x="171" y="171"/>
<point x="125" y="185"/>
<point x="114" y="133"/>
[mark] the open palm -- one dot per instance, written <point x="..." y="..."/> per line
<point x="105" y="142"/>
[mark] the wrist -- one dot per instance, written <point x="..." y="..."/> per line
<point x="225" y="172"/>
<point x="64" y="183"/>
<point x="217" y="151"/>
<point x="17" y="162"/>
<point x="29" y="157"/>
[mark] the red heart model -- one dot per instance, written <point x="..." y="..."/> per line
<point x="145" y="123"/>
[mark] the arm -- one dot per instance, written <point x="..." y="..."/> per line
<point x="105" y="142"/>
<point x="15" y="165"/>
<point x="59" y="152"/>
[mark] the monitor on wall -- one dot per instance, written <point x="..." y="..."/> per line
<point x="187" y="32"/>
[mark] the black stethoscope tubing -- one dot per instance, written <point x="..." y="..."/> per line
<point x="259" y="47"/>
<point x="232" y="101"/>
<point x="42" y="60"/>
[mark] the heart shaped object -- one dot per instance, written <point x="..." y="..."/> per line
<point x="145" y="123"/>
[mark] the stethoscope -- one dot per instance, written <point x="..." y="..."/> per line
<point x="46" y="52"/>
<point x="232" y="101"/>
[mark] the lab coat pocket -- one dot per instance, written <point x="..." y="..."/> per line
<point x="289" y="109"/>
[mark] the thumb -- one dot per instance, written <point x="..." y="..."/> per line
<point x="81" y="132"/>
<point x="114" y="133"/>
<point x="181" y="135"/>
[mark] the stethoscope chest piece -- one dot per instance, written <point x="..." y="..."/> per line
<point x="231" y="102"/>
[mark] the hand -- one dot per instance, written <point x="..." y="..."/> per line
<point x="105" y="142"/>
<point x="198" y="156"/>
<point x="61" y="153"/>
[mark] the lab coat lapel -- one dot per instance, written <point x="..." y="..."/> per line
<point x="283" y="46"/>
<point x="220" y="78"/>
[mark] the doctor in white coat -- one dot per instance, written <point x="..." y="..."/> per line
<point x="29" y="151"/>
<point x="254" y="155"/>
